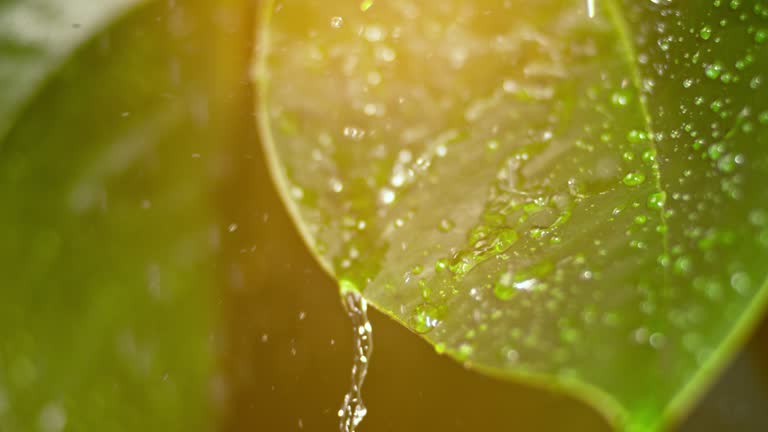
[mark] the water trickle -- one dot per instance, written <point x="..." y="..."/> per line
<point x="353" y="409"/>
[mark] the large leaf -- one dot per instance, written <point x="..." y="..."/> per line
<point x="107" y="230"/>
<point x="571" y="201"/>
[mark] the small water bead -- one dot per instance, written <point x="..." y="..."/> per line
<point x="716" y="150"/>
<point x="683" y="265"/>
<point x="621" y="97"/>
<point x="441" y="265"/>
<point x="374" y="33"/>
<point x="504" y="288"/>
<point x="657" y="340"/>
<point x="446" y="225"/>
<point x="729" y="162"/>
<point x="337" y="22"/>
<point x="354" y="133"/>
<point x="641" y="335"/>
<point x="465" y="351"/>
<point x="387" y="196"/>
<point x="635" y="136"/>
<point x="425" y="318"/>
<point x="714" y="70"/>
<point x="297" y="193"/>
<point x="741" y="283"/>
<point x="656" y="200"/>
<point x="649" y="156"/>
<point x="634" y="179"/>
<point x="426" y="290"/>
<point x="570" y="335"/>
<point x="373" y="110"/>
<point x="761" y="36"/>
<point x="705" y="32"/>
<point x="385" y="53"/>
<point x="336" y="185"/>
<point x="492" y="145"/>
<point x="758" y="218"/>
<point x="728" y="77"/>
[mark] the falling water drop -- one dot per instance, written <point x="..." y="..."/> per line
<point x="353" y="409"/>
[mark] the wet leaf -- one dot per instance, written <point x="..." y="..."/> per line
<point x="571" y="201"/>
<point x="107" y="226"/>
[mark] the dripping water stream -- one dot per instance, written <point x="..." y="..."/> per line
<point x="353" y="409"/>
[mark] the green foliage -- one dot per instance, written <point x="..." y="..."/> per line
<point x="570" y="201"/>
<point x="106" y="228"/>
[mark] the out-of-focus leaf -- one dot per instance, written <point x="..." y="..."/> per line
<point x="572" y="201"/>
<point x="107" y="228"/>
<point x="36" y="36"/>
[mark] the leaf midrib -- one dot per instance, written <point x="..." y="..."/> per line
<point x="615" y="12"/>
<point x="620" y="23"/>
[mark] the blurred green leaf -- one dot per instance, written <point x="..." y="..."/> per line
<point x="108" y="228"/>
<point x="36" y="37"/>
<point x="573" y="202"/>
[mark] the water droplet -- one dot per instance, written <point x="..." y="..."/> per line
<point x="713" y="70"/>
<point x="337" y="22"/>
<point x="682" y="265"/>
<point x="741" y="283"/>
<point x="465" y="350"/>
<point x="425" y="318"/>
<point x="649" y="156"/>
<point x="761" y="36"/>
<point x="387" y="196"/>
<point x="504" y="289"/>
<point x="657" y="340"/>
<point x="634" y="179"/>
<point x="446" y="225"/>
<point x="705" y="32"/>
<point x="656" y="200"/>
<point x="621" y="97"/>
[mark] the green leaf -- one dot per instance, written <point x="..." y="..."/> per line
<point x="568" y="201"/>
<point x="107" y="226"/>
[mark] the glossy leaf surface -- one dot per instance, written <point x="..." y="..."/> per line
<point x="568" y="200"/>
